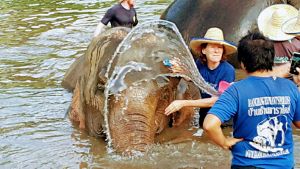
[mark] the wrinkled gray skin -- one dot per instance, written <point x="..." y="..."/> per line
<point x="130" y="117"/>
<point x="234" y="17"/>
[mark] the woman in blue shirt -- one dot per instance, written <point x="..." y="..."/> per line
<point x="212" y="65"/>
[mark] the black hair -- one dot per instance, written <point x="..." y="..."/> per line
<point x="256" y="52"/>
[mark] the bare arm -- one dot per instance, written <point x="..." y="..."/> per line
<point x="178" y="104"/>
<point x="212" y="127"/>
<point x="296" y="78"/>
<point x="297" y="124"/>
<point x="99" y="29"/>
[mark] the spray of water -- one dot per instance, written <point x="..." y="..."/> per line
<point x="139" y="57"/>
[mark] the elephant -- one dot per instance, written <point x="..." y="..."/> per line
<point x="123" y="87"/>
<point x="234" y="17"/>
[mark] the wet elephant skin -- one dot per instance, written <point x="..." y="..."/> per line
<point x="135" y="115"/>
<point x="234" y="17"/>
<point x="85" y="79"/>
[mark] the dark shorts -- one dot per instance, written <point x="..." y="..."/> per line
<point x="244" y="167"/>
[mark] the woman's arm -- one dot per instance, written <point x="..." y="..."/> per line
<point x="135" y="19"/>
<point x="296" y="78"/>
<point x="99" y="29"/>
<point x="297" y="124"/>
<point x="178" y="104"/>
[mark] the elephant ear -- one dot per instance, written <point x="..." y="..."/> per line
<point x="140" y="56"/>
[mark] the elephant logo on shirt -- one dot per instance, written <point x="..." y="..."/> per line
<point x="271" y="134"/>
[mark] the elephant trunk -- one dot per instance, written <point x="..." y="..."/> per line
<point x="132" y="117"/>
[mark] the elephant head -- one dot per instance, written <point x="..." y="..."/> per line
<point x="123" y="95"/>
<point x="234" y="17"/>
<point x="140" y="87"/>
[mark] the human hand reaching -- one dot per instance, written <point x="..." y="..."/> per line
<point x="296" y="78"/>
<point x="174" y="106"/>
<point x="178" y="67"/>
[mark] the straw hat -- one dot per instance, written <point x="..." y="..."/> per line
<point x="212" y="35"/>
<point x="271" y="19"/>
<point x="292" y="26"/>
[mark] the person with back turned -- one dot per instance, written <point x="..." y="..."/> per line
<point x="263" y="108"/>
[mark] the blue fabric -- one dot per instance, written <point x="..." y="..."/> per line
<point x="224" y="71"/>
<point x="263" y="109"/>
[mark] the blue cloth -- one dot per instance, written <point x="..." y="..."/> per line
<point x="263" y="109"/>
<point x="224" y="71"/>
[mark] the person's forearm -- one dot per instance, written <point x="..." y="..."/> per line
<point x="178" y="104"/>
<point x="297" y="124"/>
<point x="296" y="78"/>
<point x="99" y="29"/>
<point x="202" y="103"/>
<point x="217" y="136"/>
<point x="212" y="127"/>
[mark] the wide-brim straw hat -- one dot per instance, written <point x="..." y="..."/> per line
<point x="213" y="35"/>
<point x="270" y="20"/>
<point x="292" y="26"/>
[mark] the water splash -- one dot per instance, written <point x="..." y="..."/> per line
<point x="117" y="83"/>
<point x="139" y="57"/>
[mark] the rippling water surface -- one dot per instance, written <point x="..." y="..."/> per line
<point x="39" y="39"/>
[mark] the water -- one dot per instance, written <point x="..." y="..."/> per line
<point x="39" y="39"/>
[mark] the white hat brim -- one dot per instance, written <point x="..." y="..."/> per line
<point x="265" y="26"/>
<point x="289" y="27"/>
<point x="196" y="43"/>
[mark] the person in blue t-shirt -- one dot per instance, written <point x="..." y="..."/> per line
<point x="212" y="65"/>
<point x="263" y="108"/>
<point x="122" y="14"/>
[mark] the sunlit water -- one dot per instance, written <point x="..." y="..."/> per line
<point x="39" y="39"/>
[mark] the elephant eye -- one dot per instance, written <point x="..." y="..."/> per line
<point x="158" y="55"/>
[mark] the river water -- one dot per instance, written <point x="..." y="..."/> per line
<point x="39" y="39"/>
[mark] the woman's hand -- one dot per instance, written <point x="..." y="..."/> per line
<point x="296" y="78"/>
<point x="174" y="106"/>
<point x="177" y="67"/>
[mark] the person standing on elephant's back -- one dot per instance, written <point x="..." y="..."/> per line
<point x="212" y="65"/>
<point x="121" y="14"/>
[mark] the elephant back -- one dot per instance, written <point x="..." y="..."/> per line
<point x="234" y="17"/>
